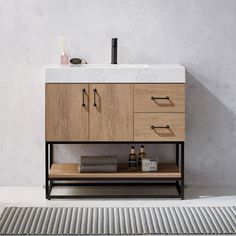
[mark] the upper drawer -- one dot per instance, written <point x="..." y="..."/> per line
<point x="159" y="97"/>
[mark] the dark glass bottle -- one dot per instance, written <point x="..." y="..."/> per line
<point x="132" y="159"/>
<point x="141" y="155"/>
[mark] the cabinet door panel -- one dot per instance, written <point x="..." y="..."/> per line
<point x="66" y="118"/>
<point x="112" y="117"/>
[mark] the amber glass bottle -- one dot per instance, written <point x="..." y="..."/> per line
<point x="132" y="159"/>
<point x="141" y="155"/>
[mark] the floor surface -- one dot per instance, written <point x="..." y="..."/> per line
<point x="194" y="196"/>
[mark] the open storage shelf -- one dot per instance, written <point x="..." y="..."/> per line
<point x="165" y="170"/>
<point x="63" y="180"/>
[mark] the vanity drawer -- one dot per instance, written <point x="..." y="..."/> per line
<point x="159" y="126"/>
<point x="159" y="97"/>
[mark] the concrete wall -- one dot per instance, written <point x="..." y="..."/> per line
<point x="200" y="35"/>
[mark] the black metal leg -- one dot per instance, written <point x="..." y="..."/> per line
<point x="46" y="171"/>
<point x="177" y="184"/>
<point x="177" y="154"/>
<point x="177" y="164"/>
<point x="51" y="154"/>
<point x="50" y="161"/>
<point x="182" y="170"/>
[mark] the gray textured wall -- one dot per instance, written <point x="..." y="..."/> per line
<point x="200" y="34"/>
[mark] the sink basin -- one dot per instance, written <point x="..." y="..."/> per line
<point x="115" y="73"/>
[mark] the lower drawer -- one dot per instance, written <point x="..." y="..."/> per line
<point x="159" y="126"/>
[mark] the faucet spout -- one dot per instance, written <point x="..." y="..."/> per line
<point x="114" y="50"/>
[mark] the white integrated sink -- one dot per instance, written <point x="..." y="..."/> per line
<point x="115" y="73"/>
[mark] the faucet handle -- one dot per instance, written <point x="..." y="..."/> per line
<point x="114" y="42"/>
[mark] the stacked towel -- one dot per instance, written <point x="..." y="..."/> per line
<point x="99" y="164"/>
<point x="98" y="160"/>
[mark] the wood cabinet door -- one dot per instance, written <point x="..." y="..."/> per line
<point x="111" y="113"/>
<point x="67" y="112"/>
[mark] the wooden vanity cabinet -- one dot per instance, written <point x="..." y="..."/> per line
<point x="115" y="112"/>
<point x="132" y="105"/>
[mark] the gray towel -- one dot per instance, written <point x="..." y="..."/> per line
<point x="98" y="160"/>
<point x="98" y="169"/>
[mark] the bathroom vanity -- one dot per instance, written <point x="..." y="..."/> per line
<point x="115" y="104"/>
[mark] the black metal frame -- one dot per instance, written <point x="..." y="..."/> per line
<point x="51" y="182"/>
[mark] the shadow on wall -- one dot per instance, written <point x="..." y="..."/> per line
<point x="210" y="135"/>
<point x="210" y="138"/>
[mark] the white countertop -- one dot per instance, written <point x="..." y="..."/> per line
<point x="120" y="73"/>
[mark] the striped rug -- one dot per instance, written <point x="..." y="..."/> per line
<point x="117" y="221"/>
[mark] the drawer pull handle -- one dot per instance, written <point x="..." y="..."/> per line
<point x="83" y="92"/>
<point x="156" y="98"/>
<point x="160" y="127"/>
<point x="94" y="97"/>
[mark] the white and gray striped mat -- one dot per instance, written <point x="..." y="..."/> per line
<point x="117" y="221"/>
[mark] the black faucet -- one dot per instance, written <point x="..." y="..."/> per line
<point x="114" y="51"/>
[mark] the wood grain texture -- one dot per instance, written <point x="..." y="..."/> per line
<point x="166" y="170"/>
<point x="66" y="118"/>
<point x="112" y="118"/>
<point x="144" y="121"/>
<point x="144" y="92"/>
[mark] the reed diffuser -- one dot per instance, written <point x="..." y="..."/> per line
<point x="64" y="50"/>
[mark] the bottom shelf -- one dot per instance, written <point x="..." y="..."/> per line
<point x="65" y="170"/>
<point x="114" y="192"/>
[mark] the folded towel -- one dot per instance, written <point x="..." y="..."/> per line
<point x="98" y="169"/>
<point x="98" y="160"/>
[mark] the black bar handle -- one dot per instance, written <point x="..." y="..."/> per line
<point x="156" y="98"/>
<point x="160" y="127"/>
<point x="94" y="97"/>
<point x="83" y="92"/>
